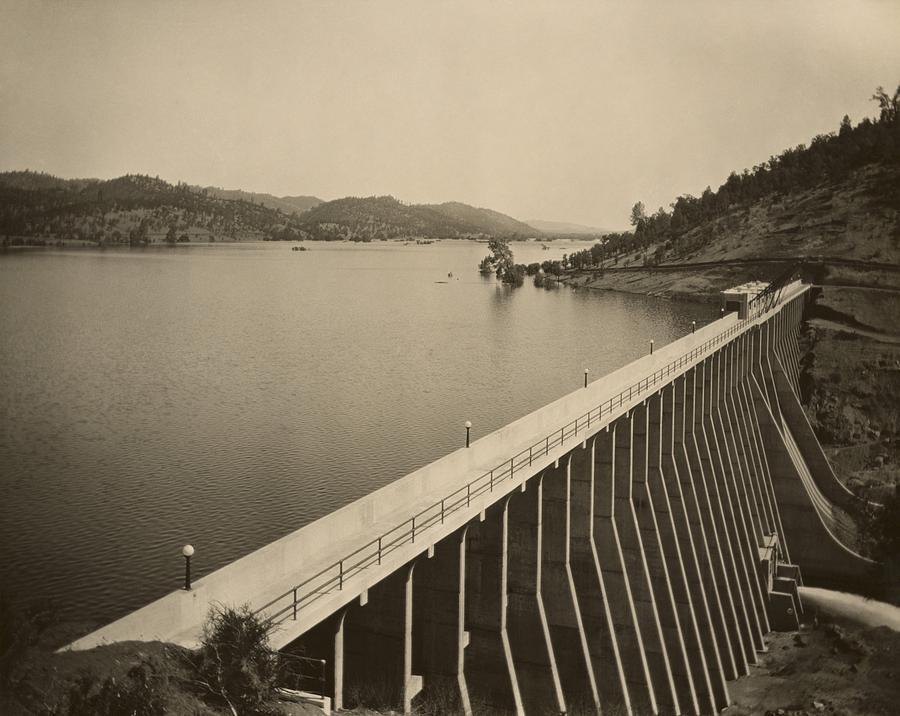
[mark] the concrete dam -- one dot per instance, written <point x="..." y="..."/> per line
<point x="624" y="549"/>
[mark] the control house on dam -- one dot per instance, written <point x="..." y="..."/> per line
<point x="625" y="549"/>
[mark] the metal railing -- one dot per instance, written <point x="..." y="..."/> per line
<point x="301" y="673"/>
<point x="372" y="553"/>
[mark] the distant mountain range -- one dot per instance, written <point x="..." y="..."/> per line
<point x="38" y="208"/>
<point x="562" y="227"/>
<point x="286" y="204"/>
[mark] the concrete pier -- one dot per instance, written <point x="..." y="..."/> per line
<point x="624" y="549"/>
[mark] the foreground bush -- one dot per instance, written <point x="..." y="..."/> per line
<point x="235" y="663"/>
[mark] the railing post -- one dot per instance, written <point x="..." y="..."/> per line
<point x="529" y="455"/>
<point x="414" y="529"/>
<point x="341" y="574"/>
<point x="379" y="550"/>
<point x="547" y="447"/>
<point x="468" y="494"/>
<point x="442" y="510"/>
<point x="322" y="680"/>
<point x="295" y="603"/>
<point x="511" y="468"/>
<point x="492" y="481"/>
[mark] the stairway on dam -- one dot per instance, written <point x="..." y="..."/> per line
<point x="626" y="548"/>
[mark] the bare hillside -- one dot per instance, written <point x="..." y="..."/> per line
<point x="858" y="218"/>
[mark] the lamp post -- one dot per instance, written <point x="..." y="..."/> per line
<point x="468" y="428"/>
<point x="693" y="326"/>
<point x="585" y="377"/>
<point x="187" y="551"/>
<point x="651" y="347"/>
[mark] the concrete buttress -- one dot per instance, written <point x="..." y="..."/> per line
<point x="567" y="634"/>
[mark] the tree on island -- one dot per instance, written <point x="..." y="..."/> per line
<point x="501" y="261"/>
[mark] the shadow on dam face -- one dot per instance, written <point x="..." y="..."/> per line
<point x="625" y="549"/>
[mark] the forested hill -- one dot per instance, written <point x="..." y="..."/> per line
<point x="383" y="217"/>
<point x="37" y="208"/>
<point x="132" y="209"/>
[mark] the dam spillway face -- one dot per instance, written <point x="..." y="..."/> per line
<point x="632" y="561"/>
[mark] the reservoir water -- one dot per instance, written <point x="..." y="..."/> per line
<point x="225" y="395"/>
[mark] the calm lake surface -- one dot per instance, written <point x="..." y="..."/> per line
<point x="226" y="395"/>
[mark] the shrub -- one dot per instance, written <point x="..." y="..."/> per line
<point x="515" y="276"/>
<point x="235" y="663"/>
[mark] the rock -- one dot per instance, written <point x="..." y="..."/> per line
<point x="818" y="705"/>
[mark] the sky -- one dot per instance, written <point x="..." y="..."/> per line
<point x="566" y="111"/>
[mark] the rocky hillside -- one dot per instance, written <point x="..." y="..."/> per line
<point x="854" y="218"/>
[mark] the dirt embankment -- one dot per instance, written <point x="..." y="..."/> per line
<point x="825" y="668"/>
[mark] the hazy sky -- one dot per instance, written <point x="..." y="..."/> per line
<point x="559" y="110"/>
